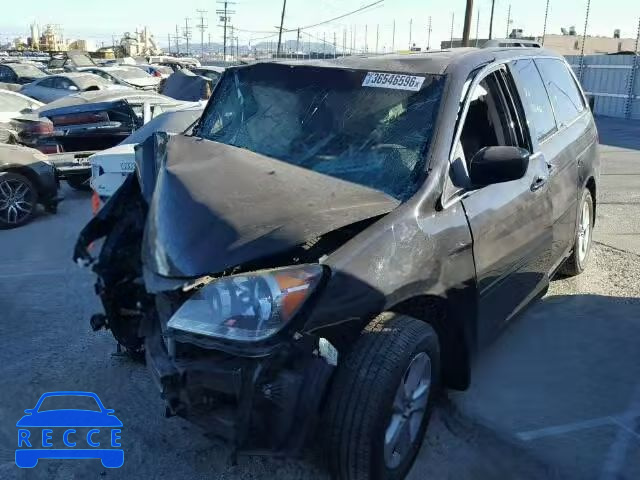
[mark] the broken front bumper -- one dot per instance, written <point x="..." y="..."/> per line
<point x="268" y="404"/>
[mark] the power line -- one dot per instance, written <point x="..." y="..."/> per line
<point x="364" y="7"/>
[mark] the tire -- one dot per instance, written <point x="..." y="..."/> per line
<point x="577" y="261"/>
<point x="79" y="183"/>
<point x="17" y="193"/>
<point x="359" y="412"/>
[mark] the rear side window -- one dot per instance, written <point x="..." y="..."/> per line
<point x="47" y="82"/>
<point x="534" y="98"/>
<point x="563" y="91"/>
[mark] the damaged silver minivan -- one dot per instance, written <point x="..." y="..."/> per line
<point x="334" y="240"/>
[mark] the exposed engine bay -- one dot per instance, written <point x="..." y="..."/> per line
<point x="220" y="328"/>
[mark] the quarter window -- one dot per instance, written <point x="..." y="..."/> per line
<point x="534" y="97"/>
<point x="565" y="97"/>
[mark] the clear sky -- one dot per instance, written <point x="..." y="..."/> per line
<point x="99" y="20"/>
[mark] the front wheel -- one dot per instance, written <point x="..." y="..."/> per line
<point x="577" y="261"/>
<point x="18" y="200"/>
<point x="381" y="399"/>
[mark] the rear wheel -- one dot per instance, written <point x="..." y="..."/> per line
<point x="381" y="399"/>
<point x="18" y="200"/>
<point x="577" y="261"/>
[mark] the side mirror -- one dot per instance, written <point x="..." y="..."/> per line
<point x="497" y="165"/>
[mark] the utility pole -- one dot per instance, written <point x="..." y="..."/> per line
<point x="202" y="27"/>
<point x="232" y="37"/>
<point x="187" y="32"/>
<point x="493" y="4"/>
<point x="366" y="38"/>
<point x="466" y="29"/>
<point x="584" y="40"/>
<point x="177" y="41"/>
<point x="284" y="6"/>
<point x="344" y="41"/>
<point x="477" y="27"/>
<point x="544" y="28"/>
<point x="224" y="18"/>
<point x="393" y="37"/>
<point x="324" y="44"/>
<point x="209" y="43"/>
<point x="377" y="36"/>
<point x="298" y="43"/>
<point x="508" y="21"/>
<point x="429" y="34"/>
<point x="453" y="16"/>
<point x="169" y="43"/>
<point x="355" y="37"/>
<point x="335" y="45"/>
<point x="410" y="27"/>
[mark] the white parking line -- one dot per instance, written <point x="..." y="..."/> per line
<point x="566" y="428"/>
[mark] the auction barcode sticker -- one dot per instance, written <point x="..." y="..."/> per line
<point x="393" y="80"/>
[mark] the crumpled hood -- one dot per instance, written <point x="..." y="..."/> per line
<point x="215" y="206"/>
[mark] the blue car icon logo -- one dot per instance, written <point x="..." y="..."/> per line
<point x="69" y="433"/>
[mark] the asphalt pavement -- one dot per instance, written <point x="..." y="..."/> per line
<point x="557" y="396"/>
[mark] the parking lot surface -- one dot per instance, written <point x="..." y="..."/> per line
<point x="557" y="396"/>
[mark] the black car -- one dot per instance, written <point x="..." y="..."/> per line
<point x="74" y="127"/>
<point x="15" y="74"/>
<point x="27" y="179"/>
<point x="338" y="239"/>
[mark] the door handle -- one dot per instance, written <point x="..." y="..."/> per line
<point x="538" y="183"/>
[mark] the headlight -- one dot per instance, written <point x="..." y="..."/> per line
<point x="250" y="306"/>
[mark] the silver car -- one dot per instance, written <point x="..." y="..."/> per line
<point x="54" y="87"/>
<point x="129" y="76"/>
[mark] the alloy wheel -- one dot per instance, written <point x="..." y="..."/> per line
<point x="408" y="411"/>
<point x="584" y="232"/>
<point x="16" y="200"/>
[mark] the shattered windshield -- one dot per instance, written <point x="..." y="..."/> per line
<point x="358" y="126"/>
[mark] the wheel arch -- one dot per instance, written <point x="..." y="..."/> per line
<point x="24" y="171"/>
<point x="453" y="333"/>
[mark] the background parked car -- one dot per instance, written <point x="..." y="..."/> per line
<point x="128" y="76"/>
<point x="160" y="71"/>
<point x="13" y="75"/>
<point x="212" y="73"/>
<point x="57" y="86"/>
<point x="26" y="179"/>
<point x="188" y="86"/>
<point x="110" y="167"/>
<point x="13" y="104"/>
<point x="74" y="127"/>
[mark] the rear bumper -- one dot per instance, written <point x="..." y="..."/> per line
<point x="72" y="164"/>
<point x="265" y="405"/>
